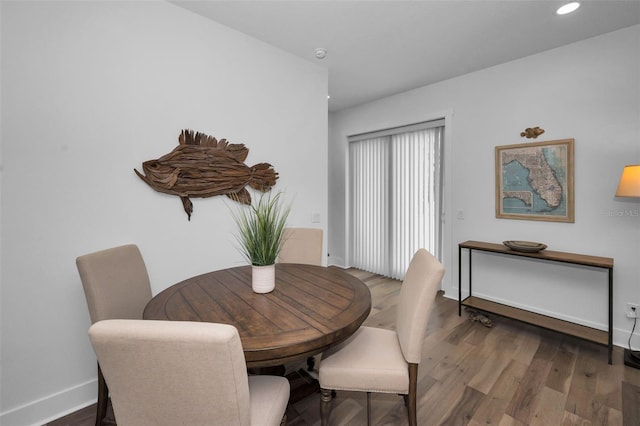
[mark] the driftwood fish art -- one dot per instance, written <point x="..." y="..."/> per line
<point x="532" y="132"/>
<point x="201" y="166"/>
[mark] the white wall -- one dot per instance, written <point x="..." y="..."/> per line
<point x="90" y="90"/>
<point x="589" y="91"/>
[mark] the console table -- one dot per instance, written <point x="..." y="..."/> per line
<point x="587" y="333"/>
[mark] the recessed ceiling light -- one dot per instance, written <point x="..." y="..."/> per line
<point x="568" y="8"/>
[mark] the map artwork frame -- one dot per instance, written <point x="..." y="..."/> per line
<point x="534" y="181"/>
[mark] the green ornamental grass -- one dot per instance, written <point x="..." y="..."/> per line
<point x="260" y="229"/>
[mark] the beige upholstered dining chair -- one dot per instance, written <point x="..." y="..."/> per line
<point x="116" y="285"/>
<point x="184" y="373"/>
<point x="386" y="361"/>
<point x="301" y="245"/>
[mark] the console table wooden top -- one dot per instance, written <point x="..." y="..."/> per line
<point x="558" y="256"/>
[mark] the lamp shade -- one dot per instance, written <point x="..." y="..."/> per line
<point x="629" y="185"/>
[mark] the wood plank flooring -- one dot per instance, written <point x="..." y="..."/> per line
<point x="510" y="374"/>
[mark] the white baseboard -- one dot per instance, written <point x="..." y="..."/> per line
<point x="336" y="261"/>
<point x="52" y="407"/>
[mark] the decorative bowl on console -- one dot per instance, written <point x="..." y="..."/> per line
<point x="525" y="246"/>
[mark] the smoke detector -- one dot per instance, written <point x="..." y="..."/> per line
<point x="320" y="53"/>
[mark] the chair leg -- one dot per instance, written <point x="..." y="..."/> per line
<point x="103" y="398"/>
<point x="311" y="362"/>
<point x="368" y="408"/>
<point x="410" y="399"/>
<point x="325" y="406"/>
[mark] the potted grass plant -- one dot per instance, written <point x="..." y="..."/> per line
<point x="260" y="230"/>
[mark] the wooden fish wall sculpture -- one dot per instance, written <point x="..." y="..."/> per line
<point x="201" y="166"/>
<point x="532" y="132"/>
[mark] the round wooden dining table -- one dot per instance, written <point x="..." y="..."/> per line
<point x="311" y="309"/>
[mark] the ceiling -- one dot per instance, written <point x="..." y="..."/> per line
<point x="379" y="48"/>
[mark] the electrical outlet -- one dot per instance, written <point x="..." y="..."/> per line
<point x="632" y="310"/>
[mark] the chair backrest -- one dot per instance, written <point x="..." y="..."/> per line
<point x="116" y="283"/>
<point x="173" y="372"/>
<point x="417" y="294"/>
<point x="301" y="245"/>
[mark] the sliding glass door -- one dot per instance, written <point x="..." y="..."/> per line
<point x="395" y="191"/>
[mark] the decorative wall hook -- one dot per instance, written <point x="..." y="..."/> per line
<point x="201" y="166"/>
<point x="532" y="132"/>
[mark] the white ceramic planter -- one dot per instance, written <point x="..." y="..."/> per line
<point x="263" y="278"/>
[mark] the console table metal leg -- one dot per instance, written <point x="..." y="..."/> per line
<point x="610" y="314"/>
<point x="460" y="278"/>
<point x="459" y="281"/>
<point x="470" y="270"/>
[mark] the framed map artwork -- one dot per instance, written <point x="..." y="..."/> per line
<point x="534" y="181"/>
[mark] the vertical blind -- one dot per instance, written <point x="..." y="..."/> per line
<point x="394" y="196"/>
